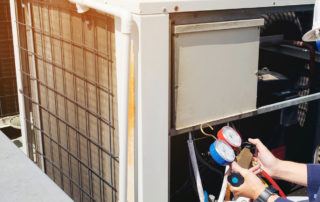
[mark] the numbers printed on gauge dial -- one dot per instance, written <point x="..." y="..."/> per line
<point x="231" y="136"/>
<point x="225" y="151"/>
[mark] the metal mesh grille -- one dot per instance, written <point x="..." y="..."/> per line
<point x="69" y="78"/>
<point x="8" y="89"/>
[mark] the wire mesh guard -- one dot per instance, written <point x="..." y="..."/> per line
<point x="8" y="89"/>
<point x="69" y="88"/>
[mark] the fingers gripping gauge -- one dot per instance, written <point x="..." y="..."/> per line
<point x="221" y="152"/>
<point x="230" y="136"/>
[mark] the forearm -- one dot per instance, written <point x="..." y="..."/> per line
<point x="291" y="172"/>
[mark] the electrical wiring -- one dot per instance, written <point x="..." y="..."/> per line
<point x="188" y="182"/>
<point x="205" y="163"/>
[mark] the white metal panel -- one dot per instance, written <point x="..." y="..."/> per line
<point x="152" y="106"/>
<point x="34" y="84"/>
<point x="22" y="110"/>
<point x="172" y="6"/>
<point x="123" y="42"/>
<point x="215" y="73"/>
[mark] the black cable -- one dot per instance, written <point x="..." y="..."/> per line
<point x="190" y="180"/>
<point x="187" y="183"/>
<point x="181" y="188"/>
<point x="205" y="163"/>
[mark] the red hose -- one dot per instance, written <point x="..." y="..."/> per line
<point x="273" y="183"/>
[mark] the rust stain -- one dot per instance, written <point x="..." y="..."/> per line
<point x="131" y="113"/>
<point x="131" y="122"/>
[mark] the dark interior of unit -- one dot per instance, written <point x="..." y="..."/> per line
<point x="289" y="133"/>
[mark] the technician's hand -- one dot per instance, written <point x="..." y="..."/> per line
<point x="264" y="158"/>
<point x="252" y="186"/>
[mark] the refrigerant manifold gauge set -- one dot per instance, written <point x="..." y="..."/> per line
<point x="222" y="149"/>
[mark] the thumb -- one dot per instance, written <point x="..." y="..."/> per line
<point x="257" y="143"/>
<point x="254" y="141"/>
<point x="236" y="168"/>
<point x="260" y="146"/>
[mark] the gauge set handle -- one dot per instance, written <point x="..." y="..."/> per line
<point x="235" y="179"/>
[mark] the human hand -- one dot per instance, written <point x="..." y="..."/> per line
<point x="252" y="186"/>
<point x="264" y="158"/>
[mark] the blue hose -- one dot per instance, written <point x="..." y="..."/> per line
<point x="318" y="45"/>
<point x="206" y="196"/>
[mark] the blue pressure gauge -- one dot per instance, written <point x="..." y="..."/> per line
<point x="221" y="152"/>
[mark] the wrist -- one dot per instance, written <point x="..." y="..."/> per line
<point x="276" y="170"/>
<point x="258" y="191"/>
<point x="273" y="198"/>
<point x="267" y="195"/>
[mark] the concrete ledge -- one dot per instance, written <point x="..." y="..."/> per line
<point x="21" y="180"/>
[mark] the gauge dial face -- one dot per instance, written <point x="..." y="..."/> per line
<point x="231" y="136"/>
<point x="224" y="150"/>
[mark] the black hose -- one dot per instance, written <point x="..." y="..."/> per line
<point x="191" y="180"/>
<point x="205" y="163"/>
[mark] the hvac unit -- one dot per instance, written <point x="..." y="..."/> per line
<point x="8" y="89"/>
<point x="194" y="63"/>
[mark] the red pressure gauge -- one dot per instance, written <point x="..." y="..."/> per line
<point x="230" y="136"/>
